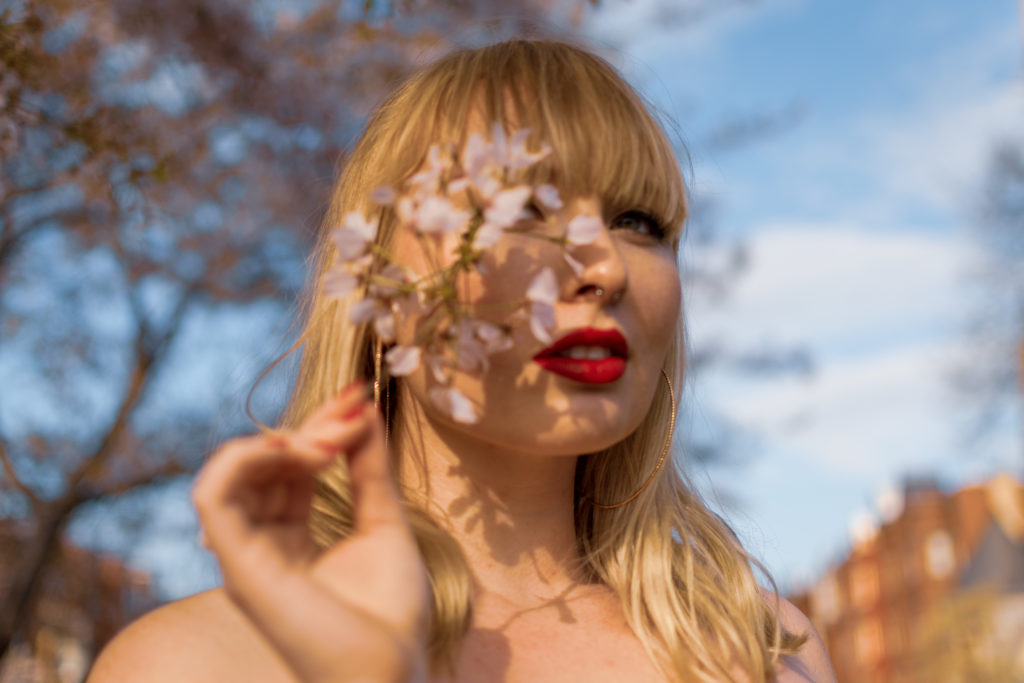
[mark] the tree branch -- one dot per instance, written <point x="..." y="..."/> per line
<point x="8" y="468"/>
<point x="147" y="355"/>
<point x="165" y="470"/>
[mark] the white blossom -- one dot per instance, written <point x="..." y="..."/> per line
<point x="402" y="360"/>
<point x="388" y="282"/>
<point x="548" y="196"/>
<point x="339" y="283"/>
<point x="437" y="215"/>
<point x="470" y="352"/>
<point x="454" y="403"/>
<point x="384" y="326"/>
<point x="576" y="266"/>
<point x="384" y="196"/>
<point x="514" y="153"/>
<point x="439" y="366"/>
<point x="543" y="287"/>
<point x="507" y="206"/>
<point x="542" y="321"/>
<point x="542" y="295"/>
<point x="494" y="338"/>
<point x="353" y="235"/>
<point x="487" y="235"/>
<point x="584" y="229"/>
<point x="362" y="311"/>
<point x="427" y="181"/>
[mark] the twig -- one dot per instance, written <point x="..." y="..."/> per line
<point x="9" y="472"/>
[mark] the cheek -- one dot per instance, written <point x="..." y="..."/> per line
<point x="499" y="288"/>
<point x="657" y="299"/>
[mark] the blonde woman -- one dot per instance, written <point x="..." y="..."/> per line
<point x="523" y="521"/>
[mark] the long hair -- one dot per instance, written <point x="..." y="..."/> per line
<point x="686" y="584"/>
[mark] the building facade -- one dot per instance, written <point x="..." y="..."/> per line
<point x="933" y="593"/>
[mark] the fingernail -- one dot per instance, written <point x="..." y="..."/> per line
<point x="277" y="439"/>
<point x="355" y="412"/>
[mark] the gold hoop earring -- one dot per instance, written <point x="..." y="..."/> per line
<point x="661" y="458"/>
<point x="381" y="386"/>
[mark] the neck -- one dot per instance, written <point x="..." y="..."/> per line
<point x="511" y="512"/>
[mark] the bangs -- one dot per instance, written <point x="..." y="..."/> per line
<point x="603" y="140"/>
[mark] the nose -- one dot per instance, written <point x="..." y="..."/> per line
<point x="602" y="273"/>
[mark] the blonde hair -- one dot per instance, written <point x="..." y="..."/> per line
<point x="686" y="585"/>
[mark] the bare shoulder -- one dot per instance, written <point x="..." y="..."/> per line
<point x="811" y="664"/>
<point x="200" y="638"/>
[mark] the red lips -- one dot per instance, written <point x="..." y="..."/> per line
<point x="589" y="371"/>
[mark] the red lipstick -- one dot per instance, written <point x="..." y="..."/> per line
<point x="587" y="370"/>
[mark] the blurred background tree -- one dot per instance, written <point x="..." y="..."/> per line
<point x="992" y="376"/>
<point x="164" y="164"/>
<point x="960" y="642"/>
<point x="163" y="168"/>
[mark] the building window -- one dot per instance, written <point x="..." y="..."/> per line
<point x="825" y="601"/>
<point x="868" y="644"/>
<point x="864" y="585"/>
<point x="939" y="559"/>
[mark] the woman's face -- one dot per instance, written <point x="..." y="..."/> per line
<point x="619" y="304"/>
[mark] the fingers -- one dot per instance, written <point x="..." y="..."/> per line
<point x="375" y="497"/>
<point x="268" y="479"/>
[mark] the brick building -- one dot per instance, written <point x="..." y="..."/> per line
<point x="935" y="592"/>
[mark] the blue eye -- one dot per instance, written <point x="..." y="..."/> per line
<point x="640" y="222"/>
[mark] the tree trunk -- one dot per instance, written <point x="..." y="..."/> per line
<point x="26" y="571"/>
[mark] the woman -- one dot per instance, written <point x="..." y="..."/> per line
<point x="510" y="518"/>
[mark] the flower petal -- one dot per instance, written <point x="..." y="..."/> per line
<point x="437" y="215"/>
<point x="548" y="196"/>
<point x="487" y="235"/>
<point x="462" y="409"/>
<point x="584" y="229"/>
<point x="544" y="287"/>
<point x="542" y="320"/>
<point x="360" y="224"/>
<point x="577" y="267"/>
<point x="402" y="360"/>
<point x="362" y="311"/>
<point x="494" y="338"/>
<point x="385" y="196"/>
<point x="339" y="283"/>
<point x="349" y="243"/>
<point x="384" y="326"/>
<point x="507" y="205"/>
<point x="438" y="365"/>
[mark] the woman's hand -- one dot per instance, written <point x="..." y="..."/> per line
<point x="355" y="612"/>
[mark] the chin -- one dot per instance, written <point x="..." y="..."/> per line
<point x="566" y="435"/>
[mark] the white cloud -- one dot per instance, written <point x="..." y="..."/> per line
<point x="879" y="311"/>
<point x="643" y="29"/>
<point x="839" y="286"/>
<point x="937" y="154"/>
<point x="879" y="416"/>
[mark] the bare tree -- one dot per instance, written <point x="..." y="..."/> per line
<point x="991" y="378"/>
<point x="162" y="167"/>
<point x="161" y="164"/>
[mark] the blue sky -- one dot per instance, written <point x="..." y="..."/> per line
<point x="856" y="216"/>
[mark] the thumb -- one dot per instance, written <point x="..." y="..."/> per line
<point x="375" y="496"/>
